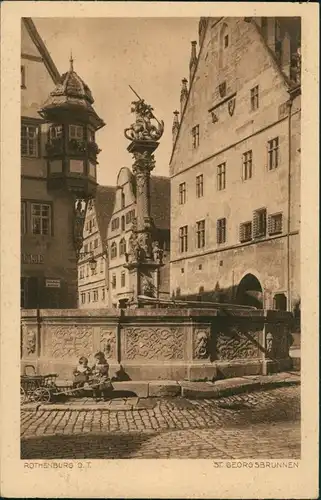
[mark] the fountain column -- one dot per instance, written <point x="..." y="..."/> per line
<point x="145" y="257"/>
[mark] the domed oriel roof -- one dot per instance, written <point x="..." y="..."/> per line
<point x="72" y="95"/>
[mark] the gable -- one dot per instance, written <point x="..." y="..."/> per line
<point x="243" y="64"/>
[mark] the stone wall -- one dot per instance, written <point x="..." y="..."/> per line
<point x="150" y="344"/>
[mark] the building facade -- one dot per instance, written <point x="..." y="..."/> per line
<point x="120" y="230"/>
<point x="235" y="165"/>
<point x="93" y="282"/>
<point x="58" y="167"/>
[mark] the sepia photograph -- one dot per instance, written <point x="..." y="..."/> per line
<point x="159" y="238"/>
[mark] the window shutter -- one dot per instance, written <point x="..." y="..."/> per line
<point x="255" y="224"/>
<point x="241" y="232"/>
<point x="264" y="222"/>
<point x="270" y="224"/>
<point x="217" y="232"/>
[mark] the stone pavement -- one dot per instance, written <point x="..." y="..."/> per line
<point x="262" y="424"/>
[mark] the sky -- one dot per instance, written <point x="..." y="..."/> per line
<point x="150" y="54"/>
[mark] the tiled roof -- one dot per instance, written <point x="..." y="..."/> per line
<point x="104" y="206"/>
<point x="72" y="92"/>
<point x="160" y="199"/>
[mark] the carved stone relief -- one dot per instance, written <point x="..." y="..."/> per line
<point x="29" y="340"/>
<point x="107" y="341"/>
<point x="237" y="343"/>
<point x="71" y="341"/>
<point x="201" y="339"/>
<point x="154" y="343"/>
<point x="280" y="333"/>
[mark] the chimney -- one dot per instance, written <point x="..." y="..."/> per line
<point x="175" y="126"/>
<point x="286" y="54"/>
<point x="184" y="94"/>
<point x="193" y="61"/>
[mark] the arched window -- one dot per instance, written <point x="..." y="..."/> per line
<point x="224" y="44"/>
<point x="123" y="223"/>
<point x="122" y="246"/>
<point x="279" y="302"/>
<point x="113" y="250"/>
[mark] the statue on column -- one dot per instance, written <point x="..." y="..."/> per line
<point x="144" y="127"/>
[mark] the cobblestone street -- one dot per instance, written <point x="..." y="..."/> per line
<point x="263" y="424"/>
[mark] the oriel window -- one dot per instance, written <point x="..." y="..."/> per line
<point x="254" y="93"/>
<point x="199" y="186"/>
<point x="247" y="165"/>
<point x="273" y="153"/>
<point x="182" y="193"/>
<point x="221" y="176"/>
<point x="221" y="230"/>
<point x="29" y="140"/>
<point x="200" y="233"/>
<point x="183" y="243"/>
<point x="196" y="136"/>
<point x="41" y="218"/>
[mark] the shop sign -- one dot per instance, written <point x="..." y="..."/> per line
<point x="31" y="258"/>
<point x="52" y="283"/>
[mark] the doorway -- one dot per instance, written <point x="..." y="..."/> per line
<point x="249" y="292"/>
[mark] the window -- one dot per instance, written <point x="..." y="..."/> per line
<point x="225" y="41"/>
<point x="245" y="231"/>
<point x="200" y="233"/>
<point x="275" y="223"/>
<point x="222" y="89"/>
<point x="29" y="140"/>
<point x="199" y="186"/>
<point x="89" y="226"/>
<point x="182" y="193"/>
<point x="130" y="216"/>
<point x="247" y="166"/>
<point x="221" y="230"/>
<point x="103" y="294"/>
<point x="88" y="296"/>
<point x="81" y="273"/>
<point x="90" y="246"/>
<point x="101" y="265"/>
<point x="196" y="136"/>
<point x="94" y="222"/>
<point x="86" y="248"/>
<point x="273" y="153"/>
<point x="87" y="270"/>
<point x="183" y="239"/>
<point x="96" y="243"/>
<point x="95" y="295"/>
<point x="83" y="298"/>
<point x="221" y="176"/>
<point x="123" y="223"/>
<point x="122" y="247"/>
<point x="113" y="250"/>
<point x="40" y="218"/>
<point x="122" y="279"/>
<point x="122" y="199"/>
<point x="259" y="223"/>
<point x="23" y="77"/>
<point x="76" y="132"/>
<point x="113" y="281"/>
<point x="23" y="218"/>
<point x="279" y="302"/>
<point x="254" y="98"/>
<point x="55" y="132"/>
<point x="115" y="224"/>
<point x="91" y="135"/>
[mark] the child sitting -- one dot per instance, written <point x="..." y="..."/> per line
<point x="101" y="381"/>
<point x="81" y="373"/>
